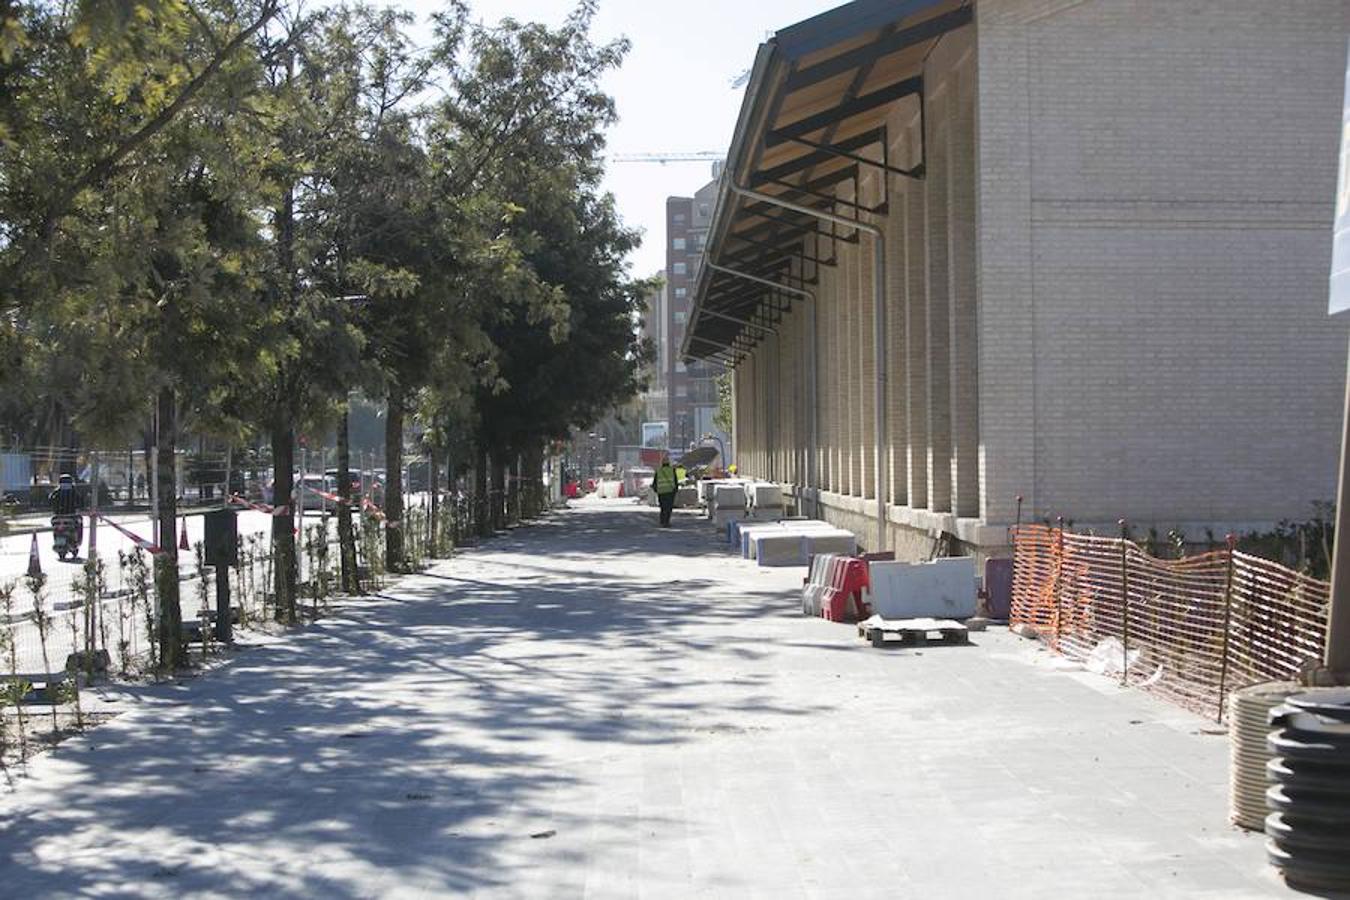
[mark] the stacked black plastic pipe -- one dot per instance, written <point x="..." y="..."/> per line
<point x="1309" y="822"/>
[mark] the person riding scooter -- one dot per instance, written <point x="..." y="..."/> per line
<point x="67" y="525"/>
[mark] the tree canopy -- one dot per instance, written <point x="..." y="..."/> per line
<point x="230" y="214"/>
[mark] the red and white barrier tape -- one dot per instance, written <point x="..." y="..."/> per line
<point x="332" y="498"/>
<point x="240" y="500"/>
<point x="130" y="535"/>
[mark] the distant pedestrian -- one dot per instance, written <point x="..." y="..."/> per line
<point x="665" y="483"/>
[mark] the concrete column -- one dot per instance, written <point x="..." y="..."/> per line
<point x="961" y="278"/>
<point x="939" y="308"/>
<point x="838" y="480"/>
<point x="852" y="373"/>
<point x="916" y="357"/>
<point x="823" y="439"/>
<point x="867" y="445"/>
<point x="895" y="289"/>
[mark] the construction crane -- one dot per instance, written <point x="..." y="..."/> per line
<point x="663" y="158"/>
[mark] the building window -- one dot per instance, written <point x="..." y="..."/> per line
<point x="678" y="243"/>
<point x="703" y="210"/>
<point x="701" y="240"/>
<point x="680" y="269"/>
<point x="679" y="218"/>
<point x="681" y="390"/>
<point x="680" y="317"/>
<point x="680" y="293"/>
<point x="680" y="367"/>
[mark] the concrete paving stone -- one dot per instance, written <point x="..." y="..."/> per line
<point x="660" y="716"/>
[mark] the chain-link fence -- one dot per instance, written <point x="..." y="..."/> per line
<point x="1193" y="629"/>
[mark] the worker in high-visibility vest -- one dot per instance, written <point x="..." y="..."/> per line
<point x="665" y="483"/>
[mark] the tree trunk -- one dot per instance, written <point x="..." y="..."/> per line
<point x="346" y="534"/>
<point x="434" y="485"/>
<point x="534" y="489"/>
<point x="482" y="504"/>
<point x="498" y="492"/>
<point x="516" y="509"/>
<point x="166" y="562"/>
<point x="393" y="481"/>
<point x="284" y="569"/>
<point x="147" y="448"/>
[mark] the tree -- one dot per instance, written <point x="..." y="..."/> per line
<point x="111" y="78"/>
<point x="722" y="418"/>
<point x="128" y="222"/>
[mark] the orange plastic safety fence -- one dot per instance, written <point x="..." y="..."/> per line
<point x="1192" y="629"/>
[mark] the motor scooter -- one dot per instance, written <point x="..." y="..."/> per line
<point x="67" y="536"/>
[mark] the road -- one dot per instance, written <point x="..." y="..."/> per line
<point x="64" y="579"/>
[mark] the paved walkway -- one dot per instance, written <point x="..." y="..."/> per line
<point x="593" y="707"/>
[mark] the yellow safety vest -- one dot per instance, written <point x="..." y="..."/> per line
<point x="665" y="480"/>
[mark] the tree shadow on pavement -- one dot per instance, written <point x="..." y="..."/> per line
<point x="437" y="736"/>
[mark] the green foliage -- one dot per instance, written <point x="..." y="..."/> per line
<point x="251" y="211"/>
<point x="1306" y="546"/>
<point x="722" y="419"/>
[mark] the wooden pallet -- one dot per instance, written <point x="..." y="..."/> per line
<point x="912" y="631"/>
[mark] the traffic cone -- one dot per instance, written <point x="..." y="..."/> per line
<point x="34" y="564"/>
<point x="182" y="537"/>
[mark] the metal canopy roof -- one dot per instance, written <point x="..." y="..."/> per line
<point x="815" y="111"/>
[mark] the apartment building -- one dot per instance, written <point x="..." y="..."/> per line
<point x="691" y="385"/>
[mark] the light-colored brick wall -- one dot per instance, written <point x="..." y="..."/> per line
<point x="1155" y="194"/>
<point x="1108" y="294"/>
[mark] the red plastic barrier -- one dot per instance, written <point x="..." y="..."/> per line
<point x="843" y="600"/>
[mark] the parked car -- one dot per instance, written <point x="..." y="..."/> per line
<point x="332" y="476"/>
<point x="312" y="498"/>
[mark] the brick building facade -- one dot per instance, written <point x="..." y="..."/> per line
<point x="1106" y="267"/>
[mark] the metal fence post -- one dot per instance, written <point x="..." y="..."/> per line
<point x="1017" y="527"/>
<point x="1059" y="578"/>
<point x="1124" y="603"/>
<point x="1227" y="621"/>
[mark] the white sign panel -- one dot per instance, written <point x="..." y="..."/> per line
<point x="1340" y="254"/>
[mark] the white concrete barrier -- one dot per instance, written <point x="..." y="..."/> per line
<point x="839" y="541"/>
<point x="750" y="534"/>
<point x="783" y="549"/>
<point x="940" y="588"/>
<point x="766" y="495"/>
<point x="729" y="495"/>
<point x="728" y="504"/>
<point x="722" y="517"/>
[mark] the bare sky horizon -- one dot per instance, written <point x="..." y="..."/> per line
<point x="674" y="92"/>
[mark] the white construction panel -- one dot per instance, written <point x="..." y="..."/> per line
<point x="941" y="588"/>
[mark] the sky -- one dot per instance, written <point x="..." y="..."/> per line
<point x="673" y="92"/>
